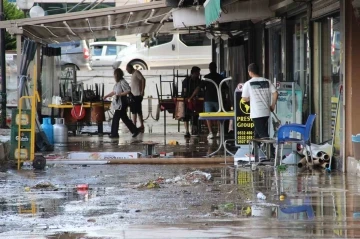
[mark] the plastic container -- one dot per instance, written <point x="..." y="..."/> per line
<point x="261" y="196"/>
<point x="356" y="145"/>
<point x="48" y="129"/>
<point x="82" y="186"/>
<point x="261" y="211"/>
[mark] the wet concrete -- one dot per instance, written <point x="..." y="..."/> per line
<point x="224" y="207"/>
<point x="196" y="146"/>
<point x="192" y="147"/>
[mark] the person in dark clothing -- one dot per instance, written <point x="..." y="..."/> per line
<point x="189" y="85"/>
<point x="211" y="101"/>
<point x="119" y="105"/>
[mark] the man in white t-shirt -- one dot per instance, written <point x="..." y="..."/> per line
<point x="263" y="96"/>
<point x="137" y="85"/>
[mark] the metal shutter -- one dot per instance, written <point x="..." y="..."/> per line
<point x="321" y="8"/>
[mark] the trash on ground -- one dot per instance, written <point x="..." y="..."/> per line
<point x="82" y="186"/>
<point x="149" y="185"/>
<point x="190" y="178"/>
<point x="261" y="196"/>
<point x="173" y="142"/>
<point x="282" y="167"/>
<point x="44" y="185"/>
<point x="227" y="206"/>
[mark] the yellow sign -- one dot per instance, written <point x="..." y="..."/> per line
<point x="244" y="126"/>
<point x="22" y="154"/>
<point x="24" y="119"/>
<point x="244" y="107"/>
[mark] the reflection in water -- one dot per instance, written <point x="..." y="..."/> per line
<point x="298" y="196"/>
<point x="298" y="204"/>
<point x="45" y="203"/>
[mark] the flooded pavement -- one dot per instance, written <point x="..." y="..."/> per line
<point x="192" y="147"/>
<point x="196" y="146"/>
<point x="114" y="203"/>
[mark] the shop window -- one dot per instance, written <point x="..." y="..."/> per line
<point x="195" y="39"/>
<point x="275" y="55"/>
<point x="300" y="67"/>
<point x="327" y="61"/>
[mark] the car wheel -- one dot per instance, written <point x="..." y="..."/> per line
<point x="139" y="65"/>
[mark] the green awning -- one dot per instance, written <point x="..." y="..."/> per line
<point x="212" y="11"/>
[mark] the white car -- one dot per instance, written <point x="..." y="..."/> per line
<point x="104" y="53"/>
<point x="178" y="50"/>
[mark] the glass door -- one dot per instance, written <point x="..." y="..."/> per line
<point x="299" y="55"/>
<point x="275" y="54"/>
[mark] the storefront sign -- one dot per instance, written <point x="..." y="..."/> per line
<point x="244" y="126"/>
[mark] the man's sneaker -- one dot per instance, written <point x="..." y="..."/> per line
<point x="218" y="135"/>
<point x="187" y="135"/>
<point x="210" y="136"/>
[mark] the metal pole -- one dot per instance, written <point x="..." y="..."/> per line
<point x="3" y="69"/>
<point x="75" y="6"/>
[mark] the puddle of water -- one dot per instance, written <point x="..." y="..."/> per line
<point x="298" y="204"/>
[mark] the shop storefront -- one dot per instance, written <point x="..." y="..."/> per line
<point x="304" y="47"/>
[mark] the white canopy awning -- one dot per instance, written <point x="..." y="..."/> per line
<point x="100" y="23"/>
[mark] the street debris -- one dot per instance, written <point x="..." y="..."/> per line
<point x="261" y="196"/>
<point x="149" y="185"/>
<point x="227" y="207"/>
<point x="44" y="185"/>
<point x="191" y="178"/>
<point x="194" y="177"/>
<point x="173" y="142"/>
<point x="282" y="168"/>
<point x="82" y="186"/>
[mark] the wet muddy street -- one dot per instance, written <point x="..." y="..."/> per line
<point x="180" y="201"/>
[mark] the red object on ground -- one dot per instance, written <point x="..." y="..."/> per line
<point x="78" y="112"/>
<point x="82" y="186"/>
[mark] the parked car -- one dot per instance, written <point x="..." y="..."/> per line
<point x="167" y="51"/>
<point x="104" y="53"/>
<point x="74" y="53"/>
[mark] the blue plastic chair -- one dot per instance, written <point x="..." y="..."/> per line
<point x="284" y="136"/>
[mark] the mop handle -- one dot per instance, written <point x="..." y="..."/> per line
<point x="276" y="117"/>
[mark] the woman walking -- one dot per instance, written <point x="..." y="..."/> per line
<point x="120" y="105"/>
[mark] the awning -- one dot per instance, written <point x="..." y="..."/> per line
<point x="212" y="11"/>
<point x="238" y="11"/>
<point x="100" y="23"/>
